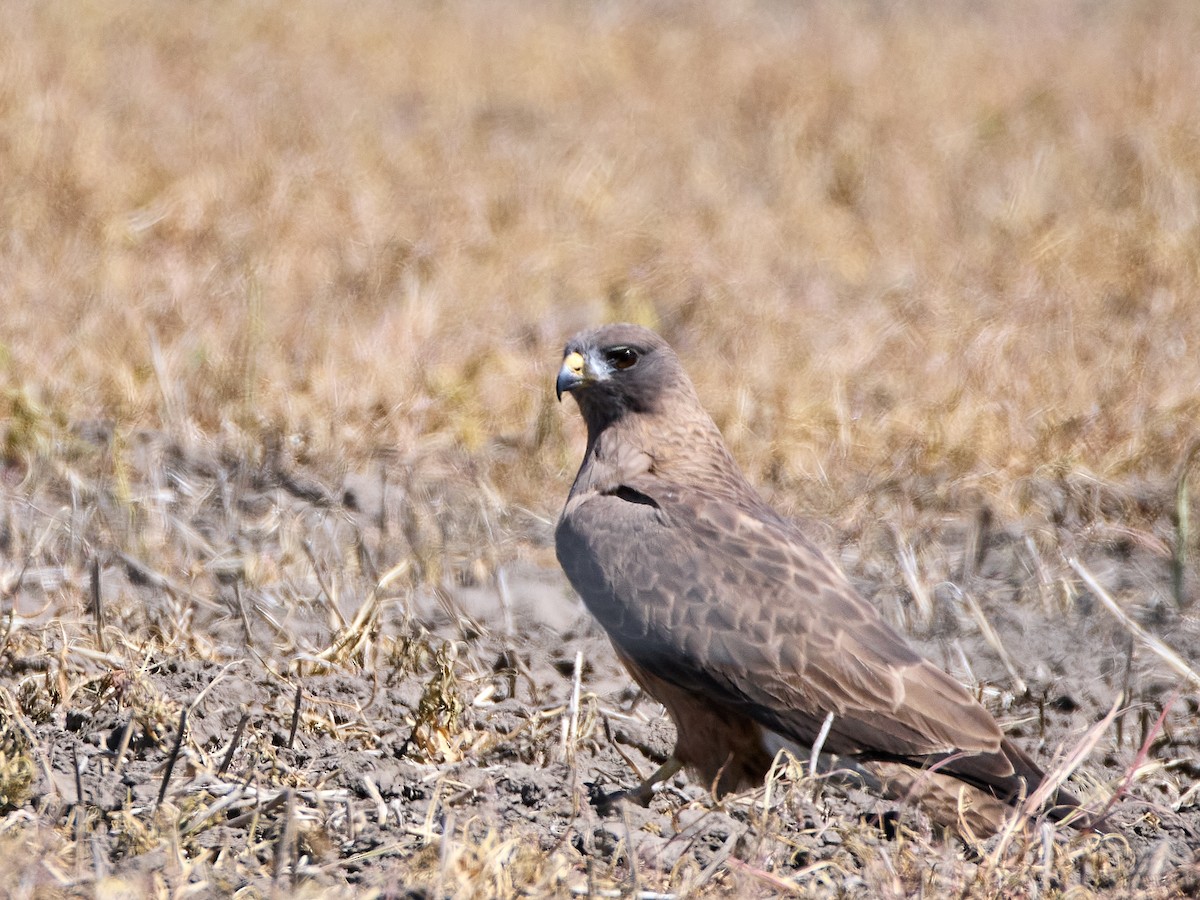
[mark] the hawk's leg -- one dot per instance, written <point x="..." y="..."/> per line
<point x="644" y="792"/>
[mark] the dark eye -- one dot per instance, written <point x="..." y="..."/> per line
<point x="621" y="357"/>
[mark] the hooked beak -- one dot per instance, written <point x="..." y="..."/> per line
<point x="571" y="375"/>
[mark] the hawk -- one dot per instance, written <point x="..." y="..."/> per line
<point x="727" y="615"/>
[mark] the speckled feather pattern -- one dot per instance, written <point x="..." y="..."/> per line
<point x="728" y="615"/>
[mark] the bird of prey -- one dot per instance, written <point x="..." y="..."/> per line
<point x="726" y="614"/>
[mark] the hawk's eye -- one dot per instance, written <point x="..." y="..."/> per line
<point x="621" y="357"/>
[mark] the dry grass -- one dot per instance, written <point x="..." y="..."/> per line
<point x="915" y="256"/>
<point x="937" y="238"/>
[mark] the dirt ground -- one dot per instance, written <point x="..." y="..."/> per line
<point x="386" y="687"/>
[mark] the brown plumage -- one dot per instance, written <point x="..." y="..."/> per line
<point x="729" y="616"/>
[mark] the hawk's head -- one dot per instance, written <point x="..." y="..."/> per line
<point x="617" y="369"/>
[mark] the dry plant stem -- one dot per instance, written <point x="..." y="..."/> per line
<point x="1173" y="660"/>
<point x="295" y="716"/>
<point x="258" y="811"/>
<point x="1044" y="581"/>
<point x="635" y="881"/>
<point x="10" y="594"/>
<point x="1060" y="773"/>
<point x="463" y="621"/>
<point x="815" y="756"/>
<point x="1126" y="688"/>
<point x="162" y="582"/>
<point x="912" y="578"/>
<point x="444" y="851"/>
<point x="1179" y="556"/>
<point x="1182" y="527"/>
<point x="1047" y="833"/>
<point x="718" y="859"/>
<point x="168" y="388"/>
<point x="570" y="729"/>
<point x="80" y="814"/>
<point x="644" y="792"/>
<point x="97" y="607"/>
<point x="1036" y="801"/>
<point x="235" y="797"/>
<point x="329" y="595"/>
<point x="241" y="609"/>
<point x="980" y="534"/>
<point x="505" y="602"/>
<point x="123" y="746"/>
<point x="1188" y="797"/>
<point x="377" y="798"/>
<point x="778" y="765"/>
<point x="774" y="881"/>
<point x="351" y="642"/>
<point x="1138" y="760"/>
<point x="162" y="791"/>
<point x="233" y="743"/>
<point x="993" y="639"/>
<point x="625" y="757"/>
<point x="217" y="679"/>
<point x="366" y="560"/>
<point x="285" y="846"/>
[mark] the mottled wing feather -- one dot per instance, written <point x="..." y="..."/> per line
<point x="729" y="599"/>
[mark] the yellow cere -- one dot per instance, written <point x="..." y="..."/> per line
<point x="574" y="363"/>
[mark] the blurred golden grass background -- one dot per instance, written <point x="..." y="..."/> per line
<point x="948" y="239"/>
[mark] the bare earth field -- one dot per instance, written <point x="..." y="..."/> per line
<point x="283" y="290"/>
